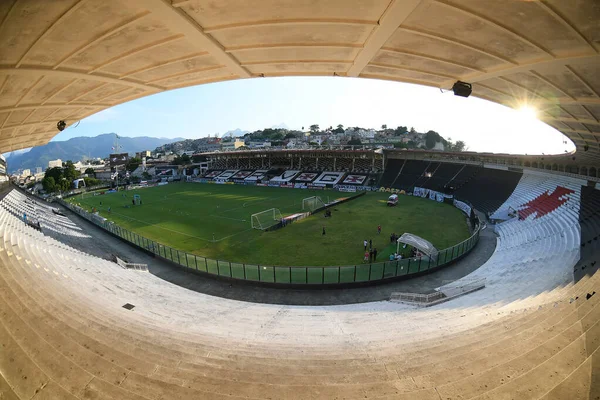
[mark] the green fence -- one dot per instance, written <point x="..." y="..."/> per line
<point x="288" y="275"/>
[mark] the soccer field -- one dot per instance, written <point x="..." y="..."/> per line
<point x="214" y="221"/>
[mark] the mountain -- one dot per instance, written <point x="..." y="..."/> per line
<point x="281" y="126"/>
<point x="76" y="148"/>
<point x="235" y="133"/>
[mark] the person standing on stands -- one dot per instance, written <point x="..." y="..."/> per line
<point x="25" y="218"/>
<point x="375" y="254"/>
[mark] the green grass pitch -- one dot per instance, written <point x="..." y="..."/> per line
<point x="214" y="221"/>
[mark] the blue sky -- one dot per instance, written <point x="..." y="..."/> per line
<point x="301" y="101"/>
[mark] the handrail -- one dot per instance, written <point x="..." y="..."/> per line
<point x="288" y="275"/>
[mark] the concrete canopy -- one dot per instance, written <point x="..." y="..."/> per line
<point x="68" y="59"/>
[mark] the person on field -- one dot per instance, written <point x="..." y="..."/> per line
<point x="378" y="229"/>
<point x="392" y="257"/>
<point x="371" y="255"/>
<point x="366" y="256"/>
<point x="365" y="243"/>
<point x="323" y="231"/>
<point x="375" y="254"/>
<point x="370" y="244"/>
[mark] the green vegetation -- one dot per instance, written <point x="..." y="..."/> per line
<point x="188" y="216"/>
<point x="60" y="179"/>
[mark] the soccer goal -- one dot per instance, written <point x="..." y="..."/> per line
<point x="312" y="203"/>
<point x="266" y="219"/>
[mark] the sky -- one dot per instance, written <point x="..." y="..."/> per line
<point x="297" y="102"/>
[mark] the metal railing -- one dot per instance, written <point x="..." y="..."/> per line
<point x="290" y="275"/>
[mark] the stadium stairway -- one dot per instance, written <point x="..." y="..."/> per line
<point x="65" y="335"/>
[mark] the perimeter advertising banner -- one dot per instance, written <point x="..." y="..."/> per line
<point x="464" y="207"/>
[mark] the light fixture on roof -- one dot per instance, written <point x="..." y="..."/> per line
<point x="61" y="125"/>
<point x="462" y="89"/>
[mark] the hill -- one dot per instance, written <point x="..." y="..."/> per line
<point x="76" y="149"/>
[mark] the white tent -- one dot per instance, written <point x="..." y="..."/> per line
<point x="418" y="242"/>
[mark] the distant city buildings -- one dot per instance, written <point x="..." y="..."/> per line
<point x="26" y="173"/>
<point x="142" y="154"/>
<point x="228" y="146"/>
<point x="38" y="170"/>
<point x="55" y="163"/>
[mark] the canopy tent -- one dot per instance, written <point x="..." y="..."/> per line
<point x="418" y="242"/>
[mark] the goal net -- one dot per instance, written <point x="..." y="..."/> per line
<point x="266" y="219"/>
<point x="312" y="203"/>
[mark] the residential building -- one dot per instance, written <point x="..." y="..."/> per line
<point x="26" y="173"/>
<point x="228" y="146"/>
<point x="38" y="170"/>
<point x="142" y="154"/>
<point x="55" y="163"/>
<point x="258" y="145"/>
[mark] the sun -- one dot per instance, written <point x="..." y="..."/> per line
<point x="528" y="112"/>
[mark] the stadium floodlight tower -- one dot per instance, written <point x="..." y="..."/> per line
<point x="266" y="219"/>
<point x="312" y="203"/>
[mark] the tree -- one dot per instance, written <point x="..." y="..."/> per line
<point x="55" y="173"/>
<point x="133" y="163"/>
<point x="91" y="181"/>
<point x="339" y="129"/>
<point x="401" y="130"/>
<point x="197" y="158"/>
<point x="49" y="184"/>
<point x="146" y="175"/>
<point x="90" y="172"/>
<point x="459" y="146"/>
<point x="354" y="142"/>
<point x="431" y="138"/>
<point x="384" y="127"/>
<point x="314" y="128"/>
<point x="70" y="173"/>
<point x="184" y="159"/>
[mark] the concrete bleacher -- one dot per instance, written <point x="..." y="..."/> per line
<point x="440" y="177"/>
<point x="488" y="188"/>
<point x="545" y="240"/>
<point x="64" y="334"/>
<point x="589" y="221"/>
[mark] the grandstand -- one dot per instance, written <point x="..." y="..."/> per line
<point x="523" y="321"/>
<point x="74" y="326"/>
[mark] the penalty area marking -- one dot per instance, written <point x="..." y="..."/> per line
<point x="181" y="233"/>
<point x="233" y="219"/>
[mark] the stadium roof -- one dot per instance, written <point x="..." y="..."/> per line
<point x="67" y="59"/>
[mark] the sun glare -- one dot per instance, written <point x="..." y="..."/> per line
<point x="528" y="112"/>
